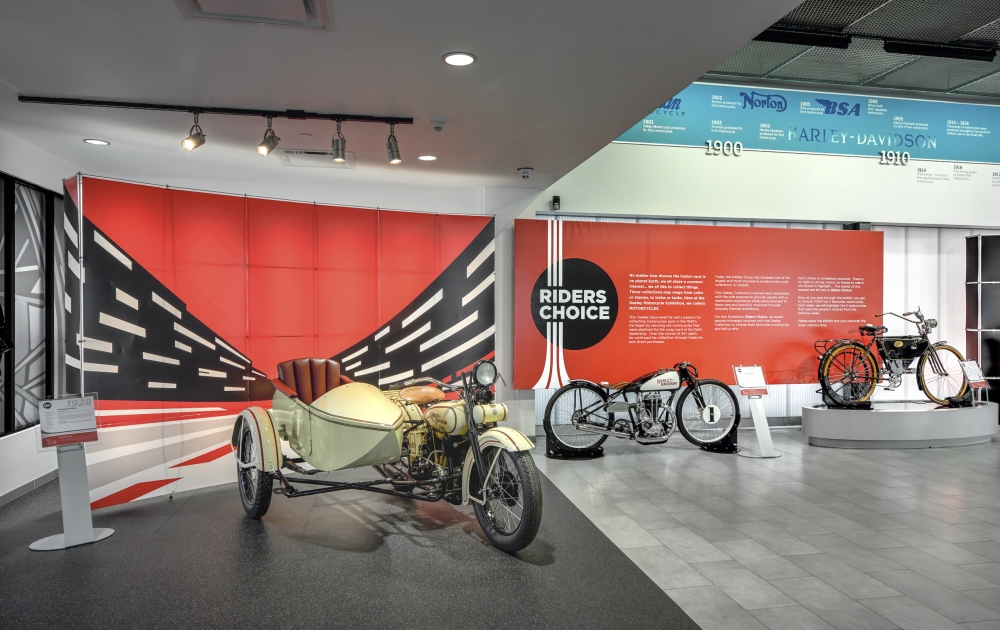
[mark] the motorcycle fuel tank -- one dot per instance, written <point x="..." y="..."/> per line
<point x="668" y="381"/>
<point x="451" y="417"/>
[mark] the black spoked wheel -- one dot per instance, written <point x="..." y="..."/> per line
<point x="708" y="414"/>
<point x="848" y="373"/>
<point x="940" y="374"/>
<point x="255" y="485"/>
<point x="584" y="403"/>
<point x="511" y="511"/>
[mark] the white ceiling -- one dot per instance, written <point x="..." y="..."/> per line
<point x="555" y="81"/>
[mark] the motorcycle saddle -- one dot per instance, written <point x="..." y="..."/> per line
<point x="421" y="394"/>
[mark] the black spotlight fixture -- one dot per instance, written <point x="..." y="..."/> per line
<point x="195" y="137"/>
<point x="270" y="140"/>
<point x="555" y="202"/>
<point x="392" y="146"/>
<point x="339" y="147"/>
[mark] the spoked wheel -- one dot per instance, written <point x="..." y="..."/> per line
<point x="709" y="417"/>
<point x="255" y="485"/>
<point x="940" y="374"/>
<point x="512" y="507"/>
<point x="848" y="374"/>
<point x="582" y="402"/>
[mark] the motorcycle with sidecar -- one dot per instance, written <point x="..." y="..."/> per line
<point x="422" y="446"/>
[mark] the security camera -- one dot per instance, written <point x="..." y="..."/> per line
<point x="525" y="172"/>
<point x="438" y="123"/>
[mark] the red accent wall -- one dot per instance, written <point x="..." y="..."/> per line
<point x="786" y="352"/>
<point x="279" y="279"/>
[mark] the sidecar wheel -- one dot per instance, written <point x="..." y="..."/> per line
<point x="255" y="485"/>
<point x="512" y="512"/>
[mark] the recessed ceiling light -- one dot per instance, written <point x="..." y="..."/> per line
<point x="426" y="158"/>
<point x="100" y="143"/>
<point x="459" y="59"/>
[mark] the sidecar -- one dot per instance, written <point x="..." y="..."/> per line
<point x="331" y="422"/>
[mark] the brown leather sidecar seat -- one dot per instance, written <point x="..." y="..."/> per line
<point x="308" y="379"/>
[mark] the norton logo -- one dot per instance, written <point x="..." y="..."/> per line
<point x="586" y="303"/>
<point x="840" y="109"/>
<point x="755" y="100"/>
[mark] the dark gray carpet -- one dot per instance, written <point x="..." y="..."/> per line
<point x="343" y="560"/>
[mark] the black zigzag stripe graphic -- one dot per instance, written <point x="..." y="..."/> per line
<point x="140" y="343"/>
<point x="446" y="328"/>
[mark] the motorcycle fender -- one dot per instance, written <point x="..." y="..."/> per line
<point x="503" y="437"/>
<point x="269" y="456"/>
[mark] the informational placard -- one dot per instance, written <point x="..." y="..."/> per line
<point x="974" y="374"/>
<point x="67" y="421"/>
<point x="612" y="301"/>
<point x="750" y="379"/>
<point x="806" y="121"/>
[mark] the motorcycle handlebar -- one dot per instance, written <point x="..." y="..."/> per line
<point x="427" y="379"/>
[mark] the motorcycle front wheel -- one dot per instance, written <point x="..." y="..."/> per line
<point x="586" y="402"/>
<point x="711" y="417"/>
<point x="940" y="374"/>
<point x="511" y="511"/>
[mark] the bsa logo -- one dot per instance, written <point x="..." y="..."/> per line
<point x="756" y="100"/>
<point x="840" y="109"/>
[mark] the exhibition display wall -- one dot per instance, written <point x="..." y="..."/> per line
<point x="605" y="302"/>
<point x="189" y="300"/>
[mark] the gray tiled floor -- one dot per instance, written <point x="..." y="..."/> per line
<point x="819" y="538"/>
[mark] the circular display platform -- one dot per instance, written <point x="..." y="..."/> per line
<point x="904" y="424"/>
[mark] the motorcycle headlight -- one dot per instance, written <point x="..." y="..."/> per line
<point x="931" y="323"/>
<point x="485" y="373"/>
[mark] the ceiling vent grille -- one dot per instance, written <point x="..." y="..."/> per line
<point x="300" y="13"/>
<point x="304" y="158"/>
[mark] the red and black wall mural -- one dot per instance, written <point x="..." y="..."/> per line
<point x="190" y="299"/>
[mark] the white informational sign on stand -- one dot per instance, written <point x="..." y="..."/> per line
<point x="750" y="379"/>
<point x="67" y="423"/>
<point x="977" y="381"/>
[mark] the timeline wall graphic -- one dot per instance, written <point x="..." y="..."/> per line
<point x="806" y="121"/>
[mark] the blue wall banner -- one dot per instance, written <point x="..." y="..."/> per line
<point x="764" y="119"/>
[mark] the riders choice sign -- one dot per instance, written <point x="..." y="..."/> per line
<point x="603" y="301"/>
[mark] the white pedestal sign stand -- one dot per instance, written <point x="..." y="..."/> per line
<point x="67" y="423"/>
<point x="750" y="379"/>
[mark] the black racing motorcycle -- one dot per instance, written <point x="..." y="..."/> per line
<point x="581" y="415"/>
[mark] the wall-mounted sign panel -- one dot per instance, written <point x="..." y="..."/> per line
<point x="726" y="119"/>
<point x="604" y="301"/>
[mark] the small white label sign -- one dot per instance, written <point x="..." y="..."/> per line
<point x="974" y="374"/>
<point x="67" y="415"/>
<point x="750" y="377"/>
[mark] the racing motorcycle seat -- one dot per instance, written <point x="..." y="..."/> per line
<point x="308" y="379"/>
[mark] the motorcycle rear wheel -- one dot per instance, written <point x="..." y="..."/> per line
<point x="255" y="485"/>
<point x="569" y="400"/>
<point x="949" y="381"/>
<point x="512" y="511"/>
<point x="690" y="413"/>
<point x="848" y="373"/>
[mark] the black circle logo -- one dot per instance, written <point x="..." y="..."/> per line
<point x="47" y="405"/>
<point x="585" y="302"/>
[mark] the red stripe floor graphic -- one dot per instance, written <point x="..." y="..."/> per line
<point x="132" y="492"/>
<point x="210" y="456"/>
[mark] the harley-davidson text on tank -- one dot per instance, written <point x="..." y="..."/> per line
<point x="664" y="382"/>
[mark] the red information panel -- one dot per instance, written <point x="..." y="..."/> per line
<point x="610" y="301"/>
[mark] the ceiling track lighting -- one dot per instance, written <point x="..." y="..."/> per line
<point x="270" y="140"/>
<point x="970" y="52"/>
<point x="392" y="146"/>
<point x="339" y="147"/>
<point x="195" y="137"/>
<point x="801" y="37"/>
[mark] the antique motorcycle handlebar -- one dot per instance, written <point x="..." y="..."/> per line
<point x="426" y="379"/>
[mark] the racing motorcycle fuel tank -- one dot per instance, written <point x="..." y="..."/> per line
<point x="667" y="381"/>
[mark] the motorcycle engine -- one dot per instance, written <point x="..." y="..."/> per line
<point x="652" y="430"/>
